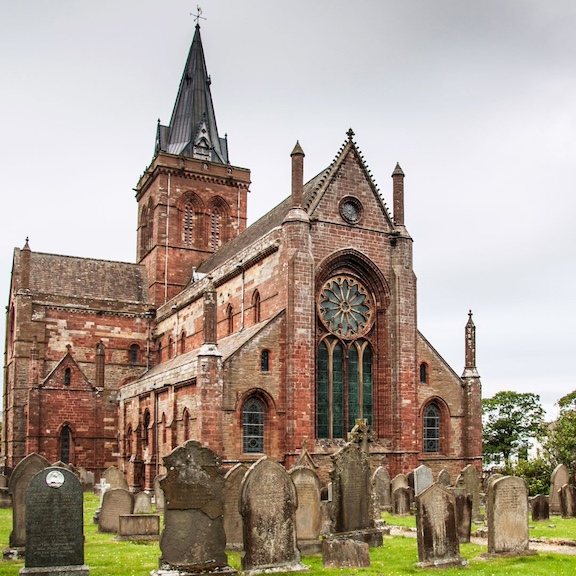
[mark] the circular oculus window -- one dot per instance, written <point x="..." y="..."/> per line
<point x="351" y="210"/>
<point x="345" y="307"/>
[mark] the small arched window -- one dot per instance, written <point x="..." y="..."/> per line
<point x="253" y="426"/>
<point x="183" y="342"/>
<point x="134" y="354"/>
<point x="65" y="444"/>
<point x="164" y="430"/>
<point x="230" y="319"/>
<point x="67" y="379"/>
<point x="265" y="361"/>
<point x="170" y="347"/>
<point x="423" y="373"/>
<point x="431" y="431"/>
<point x="256" y="306"/>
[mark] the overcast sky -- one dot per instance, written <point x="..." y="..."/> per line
<point x="476" y="100"/>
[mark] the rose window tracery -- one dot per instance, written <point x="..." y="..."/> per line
<point x="345" y="307"/>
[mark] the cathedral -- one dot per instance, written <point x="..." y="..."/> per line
<point x="273" y="338"/>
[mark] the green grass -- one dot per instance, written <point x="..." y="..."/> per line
<point x="107" y="557"/>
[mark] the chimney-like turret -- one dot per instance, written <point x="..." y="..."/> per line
<point x="297" y="176"/>
<point x="398" y="193"/>
<point x="210" y="336"/>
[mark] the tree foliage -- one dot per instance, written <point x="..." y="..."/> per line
<point x="561" y="441"/>
<point x="536" y="473"/>
<point x="510" y="421"/>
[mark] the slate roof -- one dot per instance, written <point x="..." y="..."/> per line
<point x="87" y="278"/>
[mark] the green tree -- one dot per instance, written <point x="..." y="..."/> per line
<point x="561" y="441"/>
<point x="510" y="421"/>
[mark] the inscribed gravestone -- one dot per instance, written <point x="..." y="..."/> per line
<point x="444" y="478"/>
<point x="469" y="479"/>
<point x="508" y="516"/>
<point x="54" y="524"/>
<point x="268" y="499"/>
<point x="115" y="478"/>
<point x="422" y="479"/>
<point x="352" y="500"/>
<point x="568" y="501"/>
<point x="381" y="483"/>
<point x="232" y="517"/>
<point x="401" y="501"/>
<point x="438" y="543"/>
<point x="308" y="514"/>
<point x="193" y="538"/>
<point x="142" y="503"/>
<point x="560" y="476"/>
<point x="115" y="503"/>
<point x="540" y="508"/>
<point x="23" y="472"/>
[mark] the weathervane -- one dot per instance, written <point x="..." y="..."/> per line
<point x="198" y="15"/>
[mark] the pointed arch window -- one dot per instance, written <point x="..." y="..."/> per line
<point x="188" y="224"/>
<point x="423" y="373"/>
<point x="170" y="347"/>
<point x="145" y="427"/>
<point x="183" y="342"/>
<point x="253" y="415"/>
<point x="265" y="361"/>
<point x="256" y="306"/>
<point x="230" y="319"/>
<point x="431" y="431"/>
<point x="65" y="444"/>
<point x="164" y="429"/>
<point x="215" y="223"/>
<point x="67" y="379"/>
<point x="186" y="424"/>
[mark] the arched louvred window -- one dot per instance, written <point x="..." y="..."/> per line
<point x="431" y="428"/>
<point x="143" y="231"/>
<point x="215" y="223"/>
<point x="423" y="373"/>
<point x="253" y="416"/>
<point x="65" y="444"/>
<point x="256" y="306"/>
<point x="230" y="319"/>
<point x="150" y="225"/>
<point x="188" y="224"/>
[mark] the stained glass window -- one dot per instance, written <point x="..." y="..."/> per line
<point x="432" y="428"/>
<point x="253" y="426"/>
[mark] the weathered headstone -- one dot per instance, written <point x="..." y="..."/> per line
<point x="100" y="489"/>
<point x="23" y="472"/>
<point x="444" y="478"/>
<point x="159" y="493"/>
<point x="193" y="538"/>
<point x="399" y="481"/>
<point x="142" y="503"/>
<point x="540" y="508"/>
<point x="422" y="479"/>
<point x="308" y="514"/>
<point x="401" y="501"/>
<point x="463" y="509"/>
<point x="3" y="481"/>
<point x="232" y="517"/>
<point x="568" y="501"/>
<point x="345" y="553"/>
<point x="508" y="516"/>
<point x="139" y="527"/>
<point x="469" y="479"/>
<point x="382" y="484"/>
<point x="54" y="524"/>
<point x="115" y="503"/>
<point x="115" y="478"/>
<point x="438" y="543"/>
<point x="304" y="459"/>
<point x="559" y="477"/>
<point x="5" y="498"/>
<point x="268" y="499"/>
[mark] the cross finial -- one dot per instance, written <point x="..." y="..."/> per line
<point x="350" y="134"/>
<point x="198" y="15"/>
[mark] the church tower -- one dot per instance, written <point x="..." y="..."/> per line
<point x="191" y="200"/>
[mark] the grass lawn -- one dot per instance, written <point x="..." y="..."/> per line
<point x="106" y="557"/>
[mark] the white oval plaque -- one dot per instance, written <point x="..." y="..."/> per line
<point x="55" y="479"/>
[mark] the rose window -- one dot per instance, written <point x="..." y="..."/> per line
<point x="345" y="307"/>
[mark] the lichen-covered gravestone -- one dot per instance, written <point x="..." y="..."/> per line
<point x="469" y="479"/>
<point x="268" y="505"/>
<point x="568" y="501"/>
<point x="559" y="477"/>
<point x="142" y="503"/>
<point x="382" y="484"/>
<point x="423" y="478"/>
<point x="438" y="543"/>
<point x="308" y="514"/>
<point x="115" y="478"/>
<point x="193" y="538"/>
<point x="54" y="525"/>
<point x="115" y="503"/>
<point x="232" y="517"/>
<point x="444" y="478"/>
<point x="463" y="508"/>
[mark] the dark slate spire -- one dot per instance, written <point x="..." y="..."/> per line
<point x="192" y="131"/>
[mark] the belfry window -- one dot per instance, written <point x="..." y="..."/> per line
<point x="215" y="230"/>
<point x="431" y="431"/>
<point x="188" y="225"/>
<point x="253" y="426"/>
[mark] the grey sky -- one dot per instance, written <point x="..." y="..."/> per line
<point x="476" y="100"/>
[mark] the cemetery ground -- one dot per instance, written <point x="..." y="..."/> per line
<point x="107" y="557"/>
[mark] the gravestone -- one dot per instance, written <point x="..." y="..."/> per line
<point x="399" y="481"/>
<point x="142" y="503"/>
<point x="23" y="472"/>
<point x="559" y="477"/>
<point x="508" y="516"/>
<point x="5" y="498"/>
<point x="444" y="478"/>
<point x="540" y="508"/>
<point x="401" y="501"/>
<point x="100" y="489"/>
<point x="422" y="479"/>
<point x="115" y="478"/>
<point x="54" y="524"/>
<point x="3" y="481"/>
<point x="304" y="459"/>
<point x="232" y="517"/>
<point x="138" y="527"/>
<point x="308" y="514"/>
<point x="463" y="509"/>
<point x="568" y="501"/>
<point x="381" y="484"/>
<point x="268" y="499"/>
<point x="438" y="543"/>
<point x="115" y="503"/>
<point x="345" y="553"/>
<point x="193" y="538"/>
<point x="159" y="493"/>
<point x="469" y="479"/>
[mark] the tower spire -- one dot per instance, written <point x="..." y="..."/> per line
<point x="192" y="131"/>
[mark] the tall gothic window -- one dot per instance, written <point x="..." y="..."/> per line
<point x="423" y="373"/>
<point x="431" y="432"/>
<point x="265" y="361"/>
<point x="65" y="444"/>
<point x="253" y="426"/>
<point x="183" y="342"/>
<point x="188" y="225"/>
<point x="215" y="230"/>
<point x="256" y="306"/>
<point x="230" y="319"/>
<point x="145" y="427"/>
<point x="67" y="379"/>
